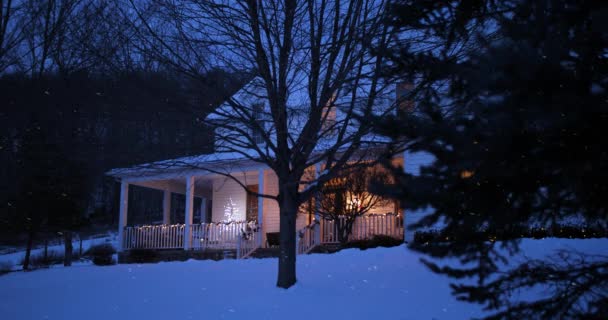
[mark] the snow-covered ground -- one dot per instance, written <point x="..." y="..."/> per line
<point x="15" y="258"/>
<point x="382" y="283"/>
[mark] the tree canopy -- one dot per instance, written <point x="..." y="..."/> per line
<point x="511" y="102"/>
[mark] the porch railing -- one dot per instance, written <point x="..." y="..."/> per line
<point x="247" y="242"/>
<point x="217" y="235"/>
<point x="203" y="236"/>
<point x="226" y="235"/>
<point x="364" y="227"/>
<point x="154" y="237"/>
<point x="306" y="240"/>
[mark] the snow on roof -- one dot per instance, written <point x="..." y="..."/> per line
<point x="210" y="162"/>
<point x="252" y="93"/>
<point x="220" y="161"/>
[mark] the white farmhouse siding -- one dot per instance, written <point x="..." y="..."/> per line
<point x="271" y="207"/>
<point x="413" y="162"/>
<point x="225" y="192"/>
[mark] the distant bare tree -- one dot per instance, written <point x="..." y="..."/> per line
<point x="313" y="62"/>
<point x="11" y="35"/>
<point x="45" y="33"/>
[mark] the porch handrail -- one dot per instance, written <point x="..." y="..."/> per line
<point x="306" y="240"/>
<point x="220" y="235"/>
<point x="154" y="237"/>
<point x="247" y="243"/>
<point x="203" y="236"/>
<point x="364" y="227"/>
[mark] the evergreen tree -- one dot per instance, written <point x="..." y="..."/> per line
<point x="512" y="103"/>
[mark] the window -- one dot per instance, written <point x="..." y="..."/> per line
<point x="252" y="203"/>
<point x="258" y="112"/>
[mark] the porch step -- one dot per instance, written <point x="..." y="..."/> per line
<point x="265" y="253"/>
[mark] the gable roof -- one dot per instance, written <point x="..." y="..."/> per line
<point x="252" y="92"/>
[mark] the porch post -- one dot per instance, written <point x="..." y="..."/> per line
<point x="317" y="228"/>
<point x="260" y="204"/>
<point x="405" y="239"/>
<point x="166" y="207"/>
<point x="188" y="213"/>
<point x="203" y="209"/>
<point x="122" y="218"/>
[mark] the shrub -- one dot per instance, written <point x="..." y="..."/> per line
<point x="5" y="267"/>
<point x="102" y="254"/>
<point x="142" y="255"/>
<point x="376" y="241"/>
<point x="517" y="232"/>
<point x="42" y="261"/>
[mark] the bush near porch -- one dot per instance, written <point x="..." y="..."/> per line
<point x="569" y="231"/>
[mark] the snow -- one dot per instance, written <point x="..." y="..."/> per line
<point x="15" y="258"/>
<point x="379" y="283"/>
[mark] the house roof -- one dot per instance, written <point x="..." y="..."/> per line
<point x="214" y="162"/>
<point x="253" y="92"/>
<point x="219" y="162"/>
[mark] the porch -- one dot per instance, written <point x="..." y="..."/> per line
<point x="215" y="213"/>
<point x="243" y="238"/>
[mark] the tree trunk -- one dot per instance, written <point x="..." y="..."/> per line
<point x="67" y="260"/>
<point x="344" y="229"/>
<point x="288" y="209"/>
<point x="28" y="250"/>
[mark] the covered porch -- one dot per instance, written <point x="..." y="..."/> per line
<point x="217" y="213"/>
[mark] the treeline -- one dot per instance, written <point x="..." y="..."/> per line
<point x="80" y="93"/>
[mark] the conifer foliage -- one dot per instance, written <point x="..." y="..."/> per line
<point x="512" y="103"/>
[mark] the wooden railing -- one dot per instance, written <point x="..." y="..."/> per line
<point x="218" y="235"/>
<point x="364" y="227"/>
<point x="204" y="236"/>
<point x="247" y="243"/>
<point x="154" y="237"/>
<point x="226" y="235"/>
<point x="306" y="240"/>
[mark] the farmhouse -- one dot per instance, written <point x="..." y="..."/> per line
<point x="220" y="215"/>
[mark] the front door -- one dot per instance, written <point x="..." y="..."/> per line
<point x="252" y="203"/>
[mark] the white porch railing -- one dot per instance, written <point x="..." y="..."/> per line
<point x="204" y="236"/>
<point x="217" y="235"/>
<point x="247" y="243"/>
<point x="364" y="227"/>
<point x="226" y="235"/>
<point x="306" y="239"/>
<point x="154" y="237"/>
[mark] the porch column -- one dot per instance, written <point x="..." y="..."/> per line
<point x="188" y="213"/>
<point x="122" y="212"/>
<point x="317" y="229"/>
<point x="260" y="204"/>
<point x="405" y="239"/>
<point x="203" y="209"/>
<point x="166" y="207"/>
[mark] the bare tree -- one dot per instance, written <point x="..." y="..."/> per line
<point x="316" y="79"/>
<point x="347" y="197"/>
<point x="11" y="35"/>
<point x="45" y="33"/>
